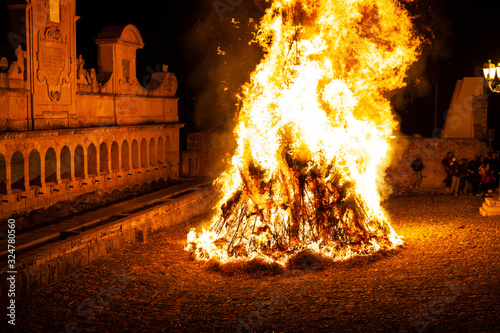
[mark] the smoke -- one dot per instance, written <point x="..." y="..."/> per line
<point x="219" y="47"/>
<point x="435" y="30"/>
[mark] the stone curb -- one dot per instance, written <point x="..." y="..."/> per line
<point x="53" y="261"/>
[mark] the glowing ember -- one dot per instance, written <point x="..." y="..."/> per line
<point x="313" y="134"/>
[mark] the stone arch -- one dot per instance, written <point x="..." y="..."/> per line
<point x="3" y="175"/>
<point x="144" y="153"/>
<point x="79" y="162"/>
<point x="65" y="163"/>
<point x="160" y="148"/>
<point x="35" y="173"/>
<point x="103" y="156"/>
<point x="168" y="150"/>
<point x="50" y="166"/>
<point x="17" y="171"/>
<point x="152" y="152"/>
<point x="92" y="160"/>
<point x="135" y="154"/>
<point x="125" y="156"/>
<point x="115" y="156"/>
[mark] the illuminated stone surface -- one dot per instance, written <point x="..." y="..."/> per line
<point x="66" y="130"/>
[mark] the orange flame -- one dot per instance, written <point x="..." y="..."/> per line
<point x="316" y="102"/>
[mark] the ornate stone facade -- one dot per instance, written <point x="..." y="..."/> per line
<point x="66" y="130"/>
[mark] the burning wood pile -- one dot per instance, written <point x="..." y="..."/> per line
<point x="313" y="135"/>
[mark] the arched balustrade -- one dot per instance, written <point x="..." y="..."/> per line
<point x="78" y="163"/>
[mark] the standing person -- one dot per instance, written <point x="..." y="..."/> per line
<point x="455" y="176"/>
<point x="494" y="169"/>
<point x="481" y="171"/>
<point x="488" y="183"/>
<point x="472" y="174"/>
<point x="447" y="161"/>
<point x="461" y="186"/>
<point x="469" y="182"/>
<point x="417" y="165"/>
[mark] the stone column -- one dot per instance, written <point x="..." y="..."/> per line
<point x="58" y="167"/>
<point x="110" y="169"/>
<point x="98" y="159"/>
<point x="8" y="176"/>
<point x="42" y="169"/>
<point x="85" y="163"/>
<point x="120" y="166"/>
<point x="72" y="165"/>
<point x="130" y="166"/>
<point x="26" y="173"/>
<point x="147" y="156"/>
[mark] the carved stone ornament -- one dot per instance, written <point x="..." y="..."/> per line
<point x="127" y="85"/>
<point x="53" y="32"/>
<point x="55" y="95"/>
<point x="4" y="64"/>
<point x="171" y="84"/>
<point x="16" y="70"/>
<point x="54" y="65"/>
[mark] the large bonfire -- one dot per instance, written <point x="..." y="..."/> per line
<point x="313" y="134"/>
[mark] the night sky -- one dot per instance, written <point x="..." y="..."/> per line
<point x="185" y="34"/>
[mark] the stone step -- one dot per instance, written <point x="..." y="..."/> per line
<point x="492" y="202"/>
<point x="482" y="212"/>
<point x="486" y="210"/>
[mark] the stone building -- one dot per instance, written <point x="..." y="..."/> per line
<point x="65" y="130"/>
<point x="468" y="112"/>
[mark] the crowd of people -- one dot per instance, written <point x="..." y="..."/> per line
<point x="479" y="176"/>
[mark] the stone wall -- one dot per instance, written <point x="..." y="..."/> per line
<point x="208" y="151"/>
<point x="95" y="109"/>
<point x="432" y="151"/>
<point x="208" y="154"/>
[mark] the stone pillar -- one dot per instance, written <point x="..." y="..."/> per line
<point x="26" y="173"/>
<point x="42" y="169"/>
<point x="110" y="169"/>
<point x="147" y="155"/>
<point x="120" y="166"/>
<point x="72" y="165"/>
<point x="130" y="166"/>
<point x="8" y="176"/>
<point x="85" y="164"/>
<point x="58" y="167"/>
<point x="98" y="160"/>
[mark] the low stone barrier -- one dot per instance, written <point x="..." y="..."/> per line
<point x="48" y="263"/>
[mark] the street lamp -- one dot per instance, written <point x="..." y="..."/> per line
<point x="490" y="71"/>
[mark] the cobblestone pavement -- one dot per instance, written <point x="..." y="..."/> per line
<point x="446" y="278"/>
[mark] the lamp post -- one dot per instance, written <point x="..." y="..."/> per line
<point x="491" y="71"/>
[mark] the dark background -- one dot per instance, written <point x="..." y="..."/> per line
<point x="186" y="35"/>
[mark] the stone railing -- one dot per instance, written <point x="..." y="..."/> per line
<point x="40" y="168"/>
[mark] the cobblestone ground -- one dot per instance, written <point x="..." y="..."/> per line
<point x="446" y="278"/>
